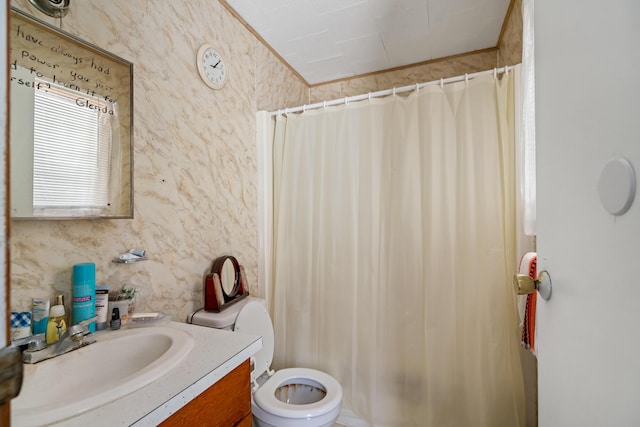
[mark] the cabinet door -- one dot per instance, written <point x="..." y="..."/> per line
<point x="224" y="404"/>
<point x="246" y="422"/>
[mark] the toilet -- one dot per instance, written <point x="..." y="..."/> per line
<point x="292" y="397"/>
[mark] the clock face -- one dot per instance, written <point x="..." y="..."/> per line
<point x="212" y="67"/>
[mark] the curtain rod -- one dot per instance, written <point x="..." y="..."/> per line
<point x="388" y="92"/>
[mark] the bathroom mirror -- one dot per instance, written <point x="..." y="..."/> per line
<point x="71" y="125"/>
<point x="229" y="278"/>
<point x="228" y="269"/>
<point x="225" y="284"/>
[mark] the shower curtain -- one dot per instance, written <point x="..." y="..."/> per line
<point x="393" y="252"/>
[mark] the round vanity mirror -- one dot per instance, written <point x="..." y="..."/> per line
<point x="228" y="270"/>
<point x="225" y="284"/>
<point x="228" y="278"/>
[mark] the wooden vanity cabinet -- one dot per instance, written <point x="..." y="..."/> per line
<point x="226" y="403"/>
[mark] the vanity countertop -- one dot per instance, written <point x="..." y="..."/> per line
<point x="215" y="354"/>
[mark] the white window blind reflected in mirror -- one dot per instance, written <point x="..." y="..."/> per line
<point x="72" y="151"/>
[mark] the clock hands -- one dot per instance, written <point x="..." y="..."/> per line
<point x="211" y="67"/>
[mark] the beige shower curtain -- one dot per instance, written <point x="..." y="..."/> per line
<point x="394" y="250"/>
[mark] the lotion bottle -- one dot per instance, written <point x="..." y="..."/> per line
<point x="40" y="315"/>
<point x="57" y="324"/>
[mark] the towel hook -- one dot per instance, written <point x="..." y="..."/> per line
<point x="525" y="284"/>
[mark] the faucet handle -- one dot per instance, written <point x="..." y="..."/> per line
<point x="33" y="341"/>
<point x="76" y="332"/>
<point x="85" y="323"/>
<point x="79" y="330"/>
<point x="37" y="344"/>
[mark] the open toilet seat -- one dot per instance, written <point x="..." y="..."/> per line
<point x="291" y="397"/>
<point x="265" y="396"/>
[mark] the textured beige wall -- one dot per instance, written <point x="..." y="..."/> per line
<point x="510" y="52"/>
<point x="457" y="66"/>
<point x="276" y="87"/>
<point x="194" y="155"/>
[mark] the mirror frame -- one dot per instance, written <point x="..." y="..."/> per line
<point x="215" y="297"/>
<point x="124" y="136"/>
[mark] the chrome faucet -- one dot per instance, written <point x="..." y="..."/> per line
<point x="74" y="337"/>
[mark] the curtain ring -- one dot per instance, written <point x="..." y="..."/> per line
<point x="495" y="73"/>
<point x="286" y="112"/>
<point x="346" y="100"/>
<point x="466" y="78"/>
<point x="417" y="88"/>
<point x="304" y="108"/>
<point x="441" y="83"/>
<point x="324" y="104"/>
<point x="369" y="96"/>
<point x="394" y="91"/>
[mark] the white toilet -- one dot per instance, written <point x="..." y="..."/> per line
<point x="293" y="397"/>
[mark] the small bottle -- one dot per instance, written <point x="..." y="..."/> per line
<point x="57" y="324"/>
<point x="40" y="315"/>
<point x="115" y="319"/>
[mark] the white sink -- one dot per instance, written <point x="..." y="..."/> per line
<point x="120" y="363"/>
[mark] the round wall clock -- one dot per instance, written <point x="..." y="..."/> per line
<point x="212" y="67"/>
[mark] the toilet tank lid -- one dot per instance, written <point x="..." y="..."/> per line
<point x="220" y="320"/>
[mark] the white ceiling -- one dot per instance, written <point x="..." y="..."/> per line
<point x="325" y="40"/>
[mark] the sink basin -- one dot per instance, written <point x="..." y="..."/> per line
<point x="120" y="363"/>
